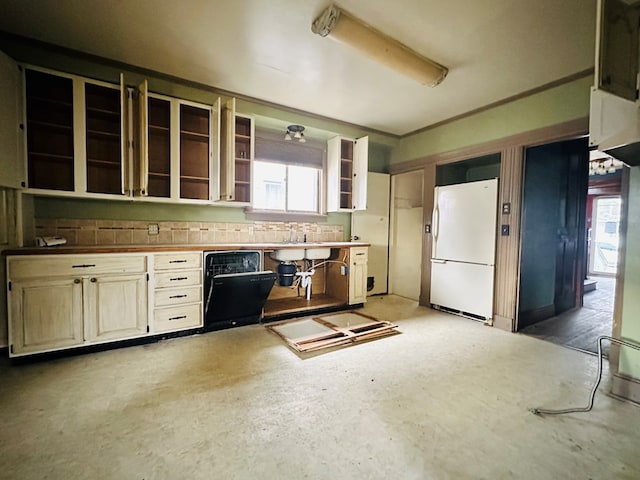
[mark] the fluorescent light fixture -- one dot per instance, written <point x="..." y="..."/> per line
<point x="343" y="27"/>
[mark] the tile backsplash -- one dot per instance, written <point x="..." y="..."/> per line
<point x="125" y="232"/>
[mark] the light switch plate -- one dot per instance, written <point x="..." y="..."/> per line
<point x="153" y="229"/>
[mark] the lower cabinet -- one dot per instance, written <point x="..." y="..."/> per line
<point x="62" y="301"/>
<point x="45" y="314"/>
<point x="358" y="259"/>
<point x="116" y="307"/>
<point x="177" y="303"/>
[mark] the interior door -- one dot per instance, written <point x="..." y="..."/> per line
<point x="571" y="238"/>
<point x="372" y="226"/>
<point x="553" y="230"/>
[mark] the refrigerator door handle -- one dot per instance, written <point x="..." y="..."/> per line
<point x="437" y="260"/>
<point x="435" y="220"/>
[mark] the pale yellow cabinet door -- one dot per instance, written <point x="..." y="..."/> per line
<point x="11" y="171"/>
<point x="358" y="275"/>
<point x="227" y="148"/>
<point x="115" y="306"/>
<point x="45" y="315"/>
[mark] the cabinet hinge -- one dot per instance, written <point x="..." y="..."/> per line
<point x="11" y="348"/>
<point x="9" y="286"/>
<point x="147" y="328"/>
<point x="147" y="277"/>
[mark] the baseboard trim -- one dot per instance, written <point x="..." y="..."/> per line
<point x="535" y="315"/>
<point x="626" y="387"/>
<point x="503" y="323"/>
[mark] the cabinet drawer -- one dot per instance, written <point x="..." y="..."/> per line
<point x="178" y="296"/>
<point x="359" y="253"/>
<point x="177" y="318"/>
<point x="178" y="261"/>
<point x="47" y="266"/>
<point x="181" y="278"/>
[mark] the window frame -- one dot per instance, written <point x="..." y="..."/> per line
<point x="275" y="137"/>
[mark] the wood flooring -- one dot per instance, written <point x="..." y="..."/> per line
<point x="581" y="327"/>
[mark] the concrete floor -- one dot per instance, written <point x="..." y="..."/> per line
<point x="446" y="399"/>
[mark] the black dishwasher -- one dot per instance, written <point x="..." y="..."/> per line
<point x="235" y="288"/>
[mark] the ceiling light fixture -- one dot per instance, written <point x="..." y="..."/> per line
<point x="343" y="27"/>
<point x="296" y="130"/>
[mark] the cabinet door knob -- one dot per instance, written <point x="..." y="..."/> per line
<point x="93" y="280"/>
<point x="76" y="280"/>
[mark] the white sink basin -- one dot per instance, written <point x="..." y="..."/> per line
<point x="288" y="254"/>
<point x="319" y="253"/>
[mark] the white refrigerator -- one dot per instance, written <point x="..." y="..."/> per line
<point x="464" y="245"/>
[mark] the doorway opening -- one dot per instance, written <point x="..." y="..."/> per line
<point x="604" y="232"/>
<point x="592" y="315"/>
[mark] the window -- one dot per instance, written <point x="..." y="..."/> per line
<point x="289" y="188"/>
<point x="287" y="177"/>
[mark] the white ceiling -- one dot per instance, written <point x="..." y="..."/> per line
<point x="494" y="49"/>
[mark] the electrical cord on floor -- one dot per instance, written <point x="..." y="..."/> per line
<point x="543" y="411"/>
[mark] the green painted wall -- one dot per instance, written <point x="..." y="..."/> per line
<point x="550" y="107"/>
<point x="630" y="325"/>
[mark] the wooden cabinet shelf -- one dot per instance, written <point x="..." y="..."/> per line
<point x="158" y="129"/>
<point x="199" y="137"/>
<point x="52" y="156"/>
<point x="50" y="101"/>
<point x="53" y="126"/>
<point x="105" y="163"/>
<point x="101" y="133"/>
<point x="104" y="112"/>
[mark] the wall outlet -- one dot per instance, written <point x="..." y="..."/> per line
<point x="153" y="229"/>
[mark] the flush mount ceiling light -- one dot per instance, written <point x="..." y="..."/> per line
<point x="295" y="131"/>
<point x="345" y="28"/>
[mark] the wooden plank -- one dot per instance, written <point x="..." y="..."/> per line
<point x="279" y="306"/>
<point x="371" y="329"/>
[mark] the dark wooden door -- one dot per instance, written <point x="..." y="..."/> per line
<point x="571" y="244"/>
<point x="553" y="230"/>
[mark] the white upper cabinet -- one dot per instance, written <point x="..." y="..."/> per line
<point x="11" y="172"/>
<point x="179" y="149"/>
<point x="614" y="118"/>
<point x="77" y="135"/>
<point x="347" y="166"/>
<point x="618" y="48"/>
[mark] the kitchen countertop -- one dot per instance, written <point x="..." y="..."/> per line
<point x="78" y="249"/>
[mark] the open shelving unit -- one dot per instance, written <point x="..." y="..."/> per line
<point x="103" y="118"/>
<point x="346" y="174"/>
<point x="194" y="152"/>
<point x="159" y="148"/>
<point x="50" y="135"/>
